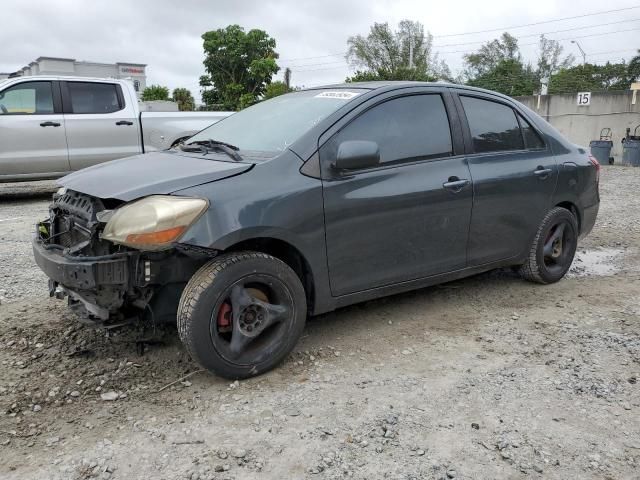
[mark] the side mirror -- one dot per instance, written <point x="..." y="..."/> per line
<point x="354" y="154"/>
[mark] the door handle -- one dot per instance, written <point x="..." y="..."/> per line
<point x="124" y="122"/>
<point x="455" y="184"/>
<point x="49" y="124"/>
<point x="542" y="172"/>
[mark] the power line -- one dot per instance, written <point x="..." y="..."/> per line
<point x="312" y="58"/>
<point x="320" y="69"/>
<point x="342" y="65"/>
<point x="494" y="30"/>
<point x="542" y="33"/>
<point x="537" y="23"/>
<point x="557" y="39"/>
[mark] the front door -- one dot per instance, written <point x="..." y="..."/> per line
<point x="514" y="176"/>
<point x="32" y="131"/>
<point x="409" y="217"/>
<point x="101" y="126"/>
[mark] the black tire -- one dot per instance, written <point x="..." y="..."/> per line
<point x="201" y="311"/>
<point x="550" y="267"/>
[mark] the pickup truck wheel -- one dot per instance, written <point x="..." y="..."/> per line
<point x="553" y="248"/>
<point x="241" y="314"/>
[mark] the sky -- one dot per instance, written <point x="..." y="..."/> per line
<point x="311" y="36"/>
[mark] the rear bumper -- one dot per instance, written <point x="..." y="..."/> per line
<point x="589" y="216"/>
<point x="81" y="273"/>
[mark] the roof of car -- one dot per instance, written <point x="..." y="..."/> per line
<point x="387" y="84"/>
<point x="63" y="77"/>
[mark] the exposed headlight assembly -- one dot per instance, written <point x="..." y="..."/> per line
<point x="153" y="223"/>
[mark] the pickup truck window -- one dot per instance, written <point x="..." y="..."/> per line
<point x="27" y="98"/>
<point x="90" y="97"/>
<point x="273" y="125"/>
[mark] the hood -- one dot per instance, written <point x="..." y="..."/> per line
<point x="152" y="173"/>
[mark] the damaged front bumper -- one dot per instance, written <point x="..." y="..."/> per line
<point x="73" y="275"/>
<point x="108" y="285"/>
<point x="82" y="273"/>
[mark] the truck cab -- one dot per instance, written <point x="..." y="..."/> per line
<point x="51" y="126"/>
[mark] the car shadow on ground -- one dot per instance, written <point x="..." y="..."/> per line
<point x="431" y="306"/>
<point x="11" y="192"/>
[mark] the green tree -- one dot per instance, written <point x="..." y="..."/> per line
<point x="590" y="77"/>
<point x="403" y="54"/>
<point x="508" y="76"/>
<point x="239" y="65"/>
<point x="276" y="88"/>
<point x="498" y="65"/>
<point x="184" y="99"/>
<point x="634" y="68"/>
<point x="549" y="58"/>
<point x="490" y="55"/>
<point x="403" y="73"/>
<point x="155" y="92"/>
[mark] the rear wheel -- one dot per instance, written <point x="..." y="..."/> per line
<point x="241" y="314"/>
<point x="553" y="248"/>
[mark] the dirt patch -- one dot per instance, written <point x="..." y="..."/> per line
<point x="487" y="377"/>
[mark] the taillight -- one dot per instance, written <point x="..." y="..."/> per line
<point x="594" y="161"/>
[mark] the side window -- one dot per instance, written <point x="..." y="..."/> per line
<point x="532" y="139"/>
<point x="493" y="126"/>
<point x="27" y="98"/>
<point x="405" y="128"/>
<point x="89" y="97"/>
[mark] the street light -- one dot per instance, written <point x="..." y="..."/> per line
<point x="584" y="55"/>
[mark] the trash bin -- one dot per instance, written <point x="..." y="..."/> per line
<point x="631" y="153"/>
<point x="601" y="149"/>
<point x="631" y="149"/>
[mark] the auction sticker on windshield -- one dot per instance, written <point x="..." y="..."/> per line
<point x="342" y="95"/>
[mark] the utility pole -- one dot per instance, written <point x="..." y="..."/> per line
<point x="411" y="51"/>
<point x="287" y="77"/>
<point x="584" y="55"/>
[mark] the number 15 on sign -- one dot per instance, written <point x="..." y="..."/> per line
<point x="584" y="99"/>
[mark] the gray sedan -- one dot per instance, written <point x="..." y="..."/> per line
<point x="312" y="201"/>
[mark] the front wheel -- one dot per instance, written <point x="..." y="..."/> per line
<point x="553" y="248"/>
<point x="241" y="314"/>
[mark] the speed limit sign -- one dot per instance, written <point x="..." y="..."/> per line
<point x="584" y="99"/>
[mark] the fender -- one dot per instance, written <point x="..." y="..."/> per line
<point x="271" y="200"/>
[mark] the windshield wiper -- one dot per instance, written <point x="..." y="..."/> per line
<point x="210" y="144"/>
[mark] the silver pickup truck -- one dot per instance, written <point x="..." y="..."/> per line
<point x="50" y="126"/>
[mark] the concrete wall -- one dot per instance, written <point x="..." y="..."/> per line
<point x="581" y="124"/>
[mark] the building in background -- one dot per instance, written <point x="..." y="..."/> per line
<point x="71" y="67"/>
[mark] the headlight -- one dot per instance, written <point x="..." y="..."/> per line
<point x="154" y="222"/>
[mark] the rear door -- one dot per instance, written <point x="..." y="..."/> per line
<point x="101" y="123"/>
<point x="32" y="132"/>
<point x="398" y="221"/>
<point x="514" y="176"/>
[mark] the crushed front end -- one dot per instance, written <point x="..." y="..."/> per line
<point x="106" y="281"/>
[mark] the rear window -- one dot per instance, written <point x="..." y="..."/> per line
<point x="88" y="97"/>
<point x="494" y="126"/>
<point x="531" y="138"/>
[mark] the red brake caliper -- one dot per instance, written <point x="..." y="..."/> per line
<point x="224" y="315"/>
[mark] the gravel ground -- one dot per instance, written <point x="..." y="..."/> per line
<point x="488" y="377"/>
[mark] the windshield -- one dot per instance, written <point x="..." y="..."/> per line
<point x="273" y="125"/>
